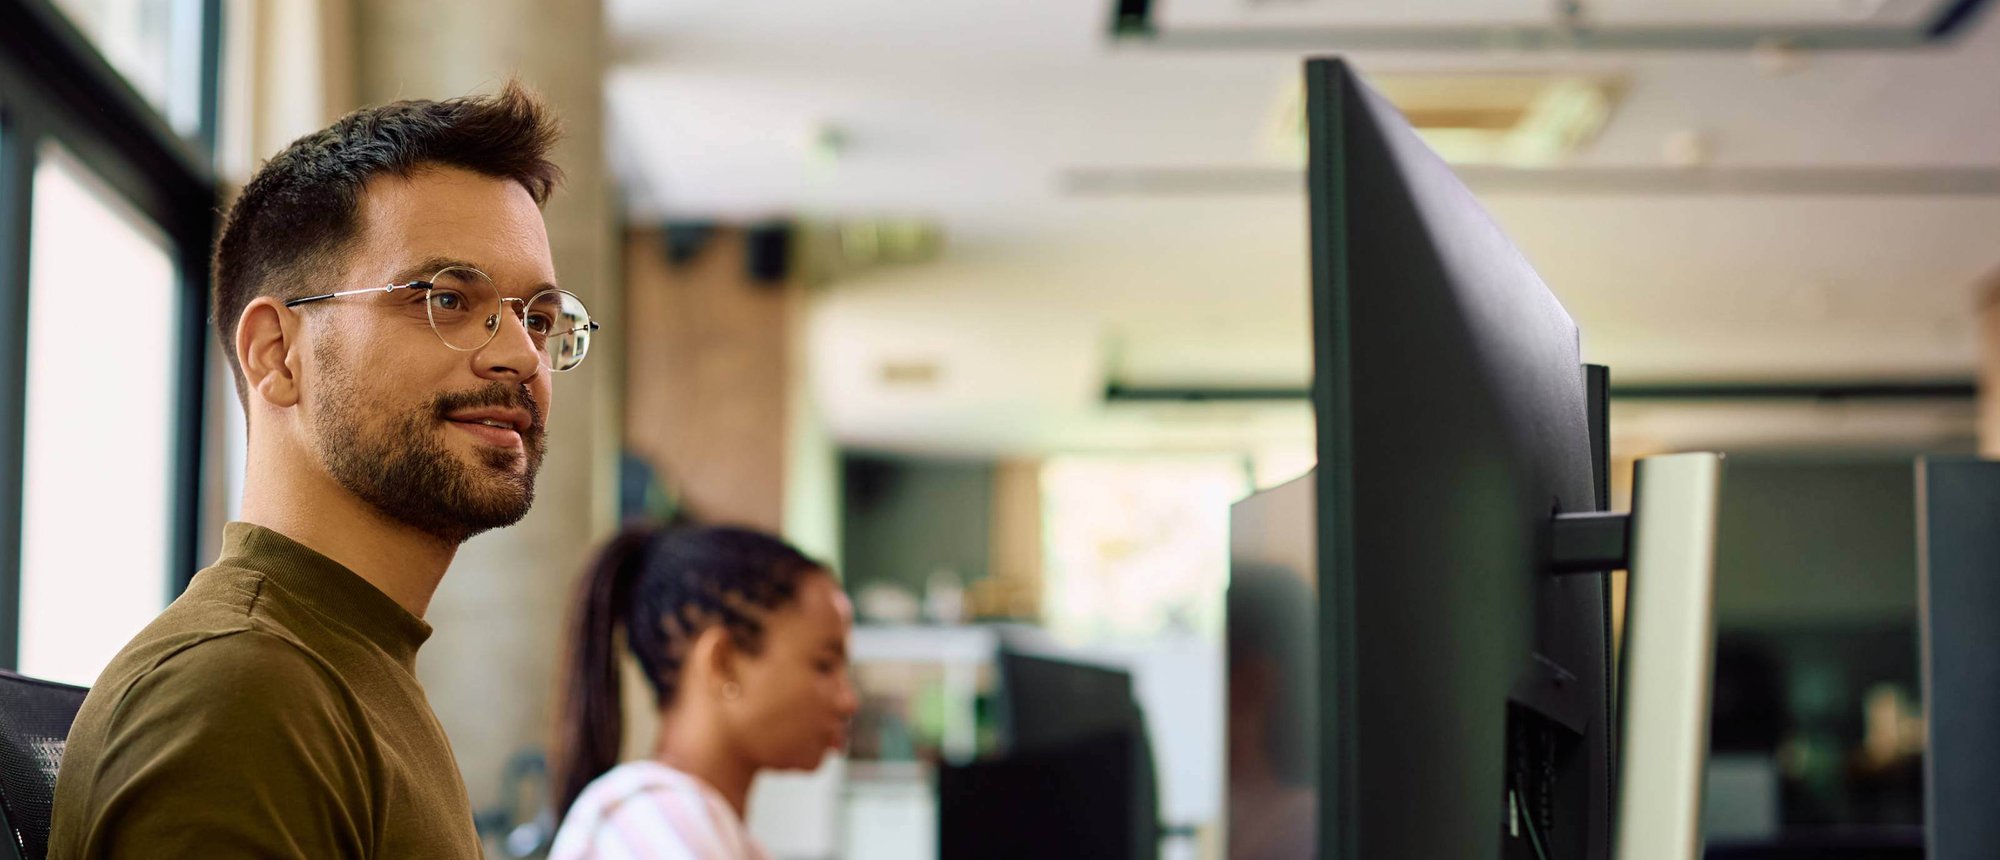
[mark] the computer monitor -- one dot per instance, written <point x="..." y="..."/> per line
<point x="1958" y="502"/>
<point x="1048" y="701"/>
<point x="1466" y="706"/>
<point x="1271" y="618"/>
<point x="1074" y="776"/>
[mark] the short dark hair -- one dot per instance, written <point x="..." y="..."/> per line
<point x="301" y="209"/>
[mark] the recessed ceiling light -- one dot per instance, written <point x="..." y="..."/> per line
<point x="910" y="373"/>
<point x="1511" y="119"/>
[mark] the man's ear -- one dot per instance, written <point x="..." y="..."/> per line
<point x="268" y="351"/>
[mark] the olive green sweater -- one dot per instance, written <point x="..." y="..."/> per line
<point x="272" y="711"/>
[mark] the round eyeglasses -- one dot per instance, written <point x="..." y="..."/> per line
<point x="463" y="307"/>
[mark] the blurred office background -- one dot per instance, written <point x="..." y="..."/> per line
<point x="999" y="307"/>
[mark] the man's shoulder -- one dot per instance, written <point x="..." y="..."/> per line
<point x="215" y="626"/>
<point x="212" y="660"/>
<point x="209" y="691"/>
<point x="260" y="654"/>
<point x="248" y="715"/>
<point x="235" y="668"/>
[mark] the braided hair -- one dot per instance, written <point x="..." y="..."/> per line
<point x="664" y="586"/>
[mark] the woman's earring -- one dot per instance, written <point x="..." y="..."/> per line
<point x="732" y="690"/>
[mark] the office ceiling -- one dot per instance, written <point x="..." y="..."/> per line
<point x="1743" y="214"/>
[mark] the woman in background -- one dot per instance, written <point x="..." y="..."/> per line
<point x="744" y="642"/>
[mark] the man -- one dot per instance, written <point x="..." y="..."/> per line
<point x="385" y="294"/>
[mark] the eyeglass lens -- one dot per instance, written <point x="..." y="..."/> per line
<point x="464" y="307"/>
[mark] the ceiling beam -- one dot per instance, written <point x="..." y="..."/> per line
<point x="1769" y="390"/>
<point x="1134" y="23"/>
<point x="1260" y="180"/>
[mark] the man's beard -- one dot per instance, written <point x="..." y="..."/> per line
<point x="408" y="472"/>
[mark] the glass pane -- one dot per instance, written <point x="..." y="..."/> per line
<point x="155" y="44"/>
<point x="94" y="516"/>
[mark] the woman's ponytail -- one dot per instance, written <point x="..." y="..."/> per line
<point x="590" y="724"/>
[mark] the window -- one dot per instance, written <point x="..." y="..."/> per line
<point x="156" y="45"/>
<point x="106" y="216"/>
<point x="1137" y="547"/>
<point x="102" y="308"/>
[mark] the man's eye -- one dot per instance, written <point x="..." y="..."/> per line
<point x="539" y="323"/>
<point x="446" y="300"/>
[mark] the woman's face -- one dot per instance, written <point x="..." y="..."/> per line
<point x="797" y="698"/>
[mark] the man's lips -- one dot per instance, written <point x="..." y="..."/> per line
<point x="499" y="426"/>
<point x="511" y="418"/>
<point x="503" y="437"/>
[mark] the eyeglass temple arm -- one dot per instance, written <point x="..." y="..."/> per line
<point x="593" y="326"/>
<point x="382" y="289"/>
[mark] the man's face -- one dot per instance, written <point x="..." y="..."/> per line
<point x="399" y="419"/>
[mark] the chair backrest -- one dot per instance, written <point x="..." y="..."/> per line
<point x="34" y="724"/>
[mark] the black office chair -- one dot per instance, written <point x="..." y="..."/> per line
<point x="34" y="724"/>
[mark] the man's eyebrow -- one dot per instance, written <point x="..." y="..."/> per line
<point x="430" y="267"/>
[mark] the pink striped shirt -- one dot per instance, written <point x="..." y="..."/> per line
<point x="645" y="810"/>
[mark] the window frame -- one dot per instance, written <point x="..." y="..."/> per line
<point x="56" y="87"/>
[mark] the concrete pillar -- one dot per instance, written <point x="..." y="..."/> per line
<point x="490" y="667"/>
<point x="711" y="412"/>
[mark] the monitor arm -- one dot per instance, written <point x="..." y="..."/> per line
<point x="1590" y="542"/>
